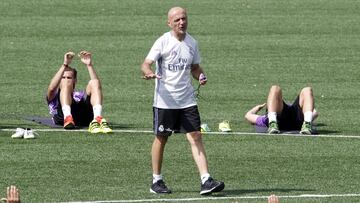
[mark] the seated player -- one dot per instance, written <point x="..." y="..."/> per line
<point x="72" y="108"/>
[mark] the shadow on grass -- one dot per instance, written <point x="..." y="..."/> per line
<point x="21" y="125"/>
<point x="121" y="126"/>
<point x="324" y="131"/>
<point x="320" y="124"/>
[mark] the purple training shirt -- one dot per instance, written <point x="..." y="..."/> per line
<point x="54" y="103"/>
<point x="262" y="121"/>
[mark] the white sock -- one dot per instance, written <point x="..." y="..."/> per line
<point x="97" y="109"/>
<point x="156" y="178"/>
<point x="66" y="110"/>
<point x="308" y="116"/>
<point x="272" y="117"/>
<point x="204" y="177"/>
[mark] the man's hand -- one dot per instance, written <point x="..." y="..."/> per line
<point x="13" y="195"/>
<point x="202" y="79"/>
<point x="260" y="106"/>
<point x="85" y="57"/>
<point x="151" y="76"/>
<point x="273" y="199"/>
<point x="68" y="58"/>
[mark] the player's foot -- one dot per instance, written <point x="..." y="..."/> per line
<point x="69" y="122"/>
<point x="104" y="126"/>
<point x="19" y="133"/>
<point x="211" y="186"/>
<point x="94" y="126"/>
<point x="273" y="128"/>
<point x="306" y="128"/>
<point x="224" y="126"/>
<point x="159" y="188"/>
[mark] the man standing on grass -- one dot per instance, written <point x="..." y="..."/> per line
<point x="76" y="108"/>
<point x="177" y="58"/>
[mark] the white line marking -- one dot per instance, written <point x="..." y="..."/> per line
<point x="221" y="198"/>
<point x="207" y="133"/>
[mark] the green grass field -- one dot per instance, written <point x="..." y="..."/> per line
<point x="246" y="46"/>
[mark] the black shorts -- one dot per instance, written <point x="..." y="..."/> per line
<point x="167" y="121"/>
<point x="291" y="117"/>
<point x="82" y="112"/>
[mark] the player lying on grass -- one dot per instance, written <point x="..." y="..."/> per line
<point x="76" y="108"/>
<point x="281" y="116"/>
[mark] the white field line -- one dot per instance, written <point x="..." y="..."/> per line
<point x="207" y="133"/>
<point x="222" y="198"/>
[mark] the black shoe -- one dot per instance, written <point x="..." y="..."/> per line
<point x="159" y="188"/>
<point x="210" y="186"/>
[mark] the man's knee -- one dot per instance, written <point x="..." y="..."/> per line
<point x="66" y="86"/>
<point x="162" y="139"/>
<point x="275" y="89"/>
<point x="194" y="137"/>
<point x="306" y="91"/>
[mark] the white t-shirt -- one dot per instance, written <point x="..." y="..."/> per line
<point x="173" y="63"/>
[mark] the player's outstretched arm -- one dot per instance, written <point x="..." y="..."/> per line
<point x="85" y="58"/>
<point x="55" y="81"/>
